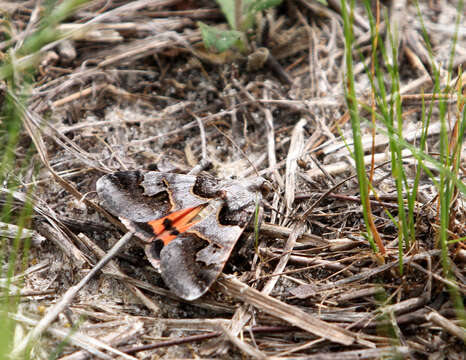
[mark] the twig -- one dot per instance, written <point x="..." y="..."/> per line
<point x="185" y="340"/>
<point x="447" y="282"/>
<point x="294" y="153"/>
<point x="202" y="337"/>
<point x="243" y="346"/>
<point x="67" y="298"/>
<point x="115" y="269"/>
<point x="366" y="354"/>
<point x="80" y="340"/>
<point x="299" y="292"/>
<point x="447" y="325"/>
<point x="291" y="314"/>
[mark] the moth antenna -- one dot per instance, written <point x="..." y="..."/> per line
<point x="205" y="162"/>
<point x="268" y="206"/>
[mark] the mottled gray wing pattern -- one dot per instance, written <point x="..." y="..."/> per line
<point x="191" y="262"/>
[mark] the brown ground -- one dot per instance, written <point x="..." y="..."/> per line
<point x="129" y="91"/>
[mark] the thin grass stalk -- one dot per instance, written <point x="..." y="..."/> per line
<point x="374" y="41"/>
<point x="355" y="119"/>
<point x="391" y="110"/>
<point x="444" y="190"/>
<point x="425" y="126"/>
<point x="420" y="155"/>
<point x="14" y="252"/>
<point x="455" y="162"/>
<point x="448" y="180"/>
<point x="444" y="195"/>
<point x="417" y="177"/>
<point x="462" y="127"/>
<point x="385" y="107"/>
<point x="9" y="253"/>
<point x="454" y="152"/>
<point x="395" y="129"/>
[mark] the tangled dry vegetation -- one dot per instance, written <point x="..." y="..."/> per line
<point x="132" y="89"/>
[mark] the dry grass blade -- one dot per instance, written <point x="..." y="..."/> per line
<point x="32" y="125"/>
<point x="112" y="268"/>
<point x="88" y="343"/>
<point x="283" y="232"/>
<point x="297" y="231"/>
<point x="244" y="347"/>
<point x="448" y="325"/>
<point x="125" y="333"/>
<point x="305" y="291"/>
<point x="242" y="315"/>
<point x="53" y="229"/>
<point x="147" y="47"/>
<point x="288" y="313"/>
<point x="11" y="231"/>
<point x="379" y="353"/>
<point x="66" y="299"/>
<point x="294" y="153"/>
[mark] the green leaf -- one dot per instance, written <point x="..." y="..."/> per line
<point x="228" y="9"/>
<point x="253" y="7"/>
<point x="247" y="13"/>
<point x="220" y="40"/>
<point x="261" y="5"/>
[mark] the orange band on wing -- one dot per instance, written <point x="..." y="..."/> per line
<point x="170" y="226"/>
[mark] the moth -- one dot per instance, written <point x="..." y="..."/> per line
<point x="188" y="224"/>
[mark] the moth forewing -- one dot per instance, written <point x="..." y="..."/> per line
<point x="122" y="195"/>
<point x="191" y="252"/>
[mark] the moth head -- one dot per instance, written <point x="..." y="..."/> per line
<point x="262" y="186"/>
<point x="265" y="188"/>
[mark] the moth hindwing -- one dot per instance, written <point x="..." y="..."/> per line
<point x="189" y="224"/>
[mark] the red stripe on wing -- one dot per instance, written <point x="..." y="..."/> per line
<point x="170" y="226"/>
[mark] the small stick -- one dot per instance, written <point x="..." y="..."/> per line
<point x="113" y="268"/>
<point x="243" y="346"/>
<point x="67" y="298"/>
<point x="169" y="343"/>
<point x="77" y="95"/>
<point x="294" y="153"/>
<point x="447" y="325"/>
<point x="207" y="336"/>
<point x="291" y="314"/>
